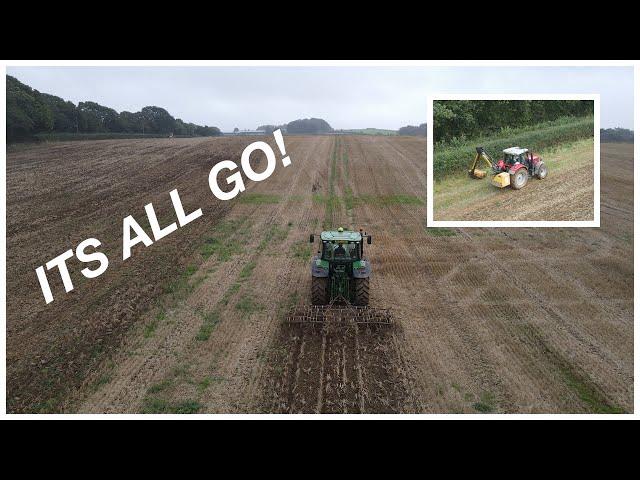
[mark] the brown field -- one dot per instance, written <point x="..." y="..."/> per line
<point x="488" y="320"/>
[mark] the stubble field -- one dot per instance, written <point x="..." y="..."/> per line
<point x="487" y="320"/>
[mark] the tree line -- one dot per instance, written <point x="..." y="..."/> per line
<point x="468" y="118"/>
<point x="622" y="135"/>
<point x="311" y="126"/>
<point x="31" y="112"/>
<point x="308" y="126"/>
<point x="419" y="131"/>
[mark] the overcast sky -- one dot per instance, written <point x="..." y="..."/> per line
<point x="347" y="97"/>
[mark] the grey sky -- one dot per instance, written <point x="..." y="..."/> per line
<point x="347" y="97"/>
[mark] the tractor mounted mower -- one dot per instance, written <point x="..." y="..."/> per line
<point x="513" y="170"/>
<point x="340" y="282"/>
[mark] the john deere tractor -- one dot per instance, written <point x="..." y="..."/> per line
<point x="340" y="284"/>
<point x="340" y="273"/>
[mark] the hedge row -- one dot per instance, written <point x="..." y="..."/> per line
<point x="457" y="155"/>
<point x="68" y="137"/>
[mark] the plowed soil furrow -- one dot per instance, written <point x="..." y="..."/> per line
<point x="336" y="370"/>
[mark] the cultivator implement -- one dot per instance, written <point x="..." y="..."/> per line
<point x="339" y="315"/>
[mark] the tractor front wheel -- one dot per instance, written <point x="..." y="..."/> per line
<point x="542" y="171"/>
<point x="319" y="291"/>
<point x="519" y="179"/>
<point x="361" y="297"/>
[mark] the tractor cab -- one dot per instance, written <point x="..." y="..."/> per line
<point x="515" y="155"/>
<point x="340" y="250"/>
<point x="341" y="246"/>
<point x="339" y="270"/>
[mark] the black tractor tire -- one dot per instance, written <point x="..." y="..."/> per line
<point x="361" y="295"/>
<point x="319" y="290"/>
<point x="519" y="179"/>
<point x="542" y="171"/>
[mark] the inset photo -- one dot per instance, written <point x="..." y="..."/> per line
<point x="513" y="161"/>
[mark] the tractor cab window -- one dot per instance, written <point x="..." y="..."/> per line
<point x="340" y="251"/>
<point x="509" y="159"/>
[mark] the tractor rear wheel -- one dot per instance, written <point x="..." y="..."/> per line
<point x="519" y="179"/>
<point x="361" y="297"/>
<point x="319" y="291"/>
<point x="542" y="171"/>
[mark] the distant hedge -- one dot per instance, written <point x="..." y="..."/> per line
<point x="419" y="131"/>
<point x="623" y="135"/>
<point x="70" y="137"/>
<point x="455" y="156"/>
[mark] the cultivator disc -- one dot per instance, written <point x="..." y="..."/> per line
<point x="339" y="315"/>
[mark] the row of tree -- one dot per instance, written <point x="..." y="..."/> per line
<point x="30" y="112"/>
<point x="308" y="126"/>
<point x="469" y="118"/>
<point x="616" y="135"/>
<point x="269" y="129"/>
<point x="313" y="126"/>
<point x="419" y="131"/>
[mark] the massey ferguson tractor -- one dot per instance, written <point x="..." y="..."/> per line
<point x="513" y="170"/>
<point x="340" y="282"/>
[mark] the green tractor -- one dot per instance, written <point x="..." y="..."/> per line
<point x="340" y="285"/>
<point x="340" y="273"/>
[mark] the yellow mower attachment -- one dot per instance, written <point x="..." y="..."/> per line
<point x="478" y="173"/>
<point x="501" y="180"/>
<point x="481" y="156"/>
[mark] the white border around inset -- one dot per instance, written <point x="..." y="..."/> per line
<point x="516" y="223"/>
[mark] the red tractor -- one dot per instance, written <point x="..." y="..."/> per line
<point x="513" y="170"/>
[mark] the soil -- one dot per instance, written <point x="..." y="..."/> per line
<point x="486" y="320"/>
